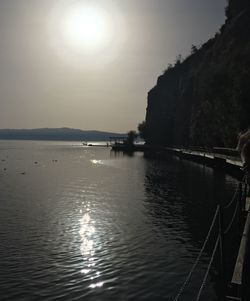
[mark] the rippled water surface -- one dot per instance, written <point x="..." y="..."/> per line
<point x="83" y="223"/>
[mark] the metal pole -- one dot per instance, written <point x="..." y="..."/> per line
<point x="245" y="196"/>
<point x="221" y="234"/>
<point x="242" y="206"/>
<point x="241" y="195"/>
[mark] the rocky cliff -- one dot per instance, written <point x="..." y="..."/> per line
<point x="205" y="100"/>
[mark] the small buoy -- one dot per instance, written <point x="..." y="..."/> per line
<point x="36" y="162"/>
<point x="5" y="169"/>
<point x="23" y="173"/>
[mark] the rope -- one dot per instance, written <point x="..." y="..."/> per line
<point x="233" y="199"/>
<point x="198" y="257"/>
<point x="244" y="179"/>
<point x="231" y="223"/>
<point x="208" y="269"/>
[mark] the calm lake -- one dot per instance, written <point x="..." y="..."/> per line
<point x="84" y="223"/>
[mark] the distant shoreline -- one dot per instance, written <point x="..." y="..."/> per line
<point x="57" y="134"/>
<point x="51" y="140"/>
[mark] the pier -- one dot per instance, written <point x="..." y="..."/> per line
<point x="224" y="158"/>
<point x="234" y="215"/>
<point x="236" y="287"/>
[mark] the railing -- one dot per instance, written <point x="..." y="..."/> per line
<point x="238" y="200"/>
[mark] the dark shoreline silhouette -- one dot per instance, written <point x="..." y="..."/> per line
<point x="57" y="134"/>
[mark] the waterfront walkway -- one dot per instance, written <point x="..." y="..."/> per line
<point x="224" y="158"/>
<point x="240" y="282"/>
<point x="229" y="161"/>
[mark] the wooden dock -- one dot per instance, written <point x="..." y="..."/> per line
<point x="229" y="161"/>
<point x="238" y="270"/>
<point x="233" y="165"/>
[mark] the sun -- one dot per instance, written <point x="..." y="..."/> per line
<point x="86" y="33"/>
<point x="86" y="27"/>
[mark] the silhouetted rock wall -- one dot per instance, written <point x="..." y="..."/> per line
<point x="205" y="100"/>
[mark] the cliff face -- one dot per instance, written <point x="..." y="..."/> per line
<point x="205" y="100"/>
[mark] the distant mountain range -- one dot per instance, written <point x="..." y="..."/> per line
<point x="63" y="134"/>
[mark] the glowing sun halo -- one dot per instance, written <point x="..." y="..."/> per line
<point x="87" y="27"/>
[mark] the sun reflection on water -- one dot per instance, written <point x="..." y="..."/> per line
<point x="87" y="232"/>
<point x="96" y="162"/>
<point x="99" y="284"/>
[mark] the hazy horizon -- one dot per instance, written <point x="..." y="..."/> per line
<point x="59" y="128"/>
<point x="49" y="80"/>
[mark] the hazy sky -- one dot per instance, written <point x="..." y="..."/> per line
<point x="46" y="80"/>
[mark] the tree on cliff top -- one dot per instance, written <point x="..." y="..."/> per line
<point x="131" y="136"/>
<point x="143" y="131"/>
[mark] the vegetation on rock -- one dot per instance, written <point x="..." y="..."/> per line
<point x="204" y="100"/>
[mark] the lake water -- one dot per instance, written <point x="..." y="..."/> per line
<point x="83" y="223"/>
